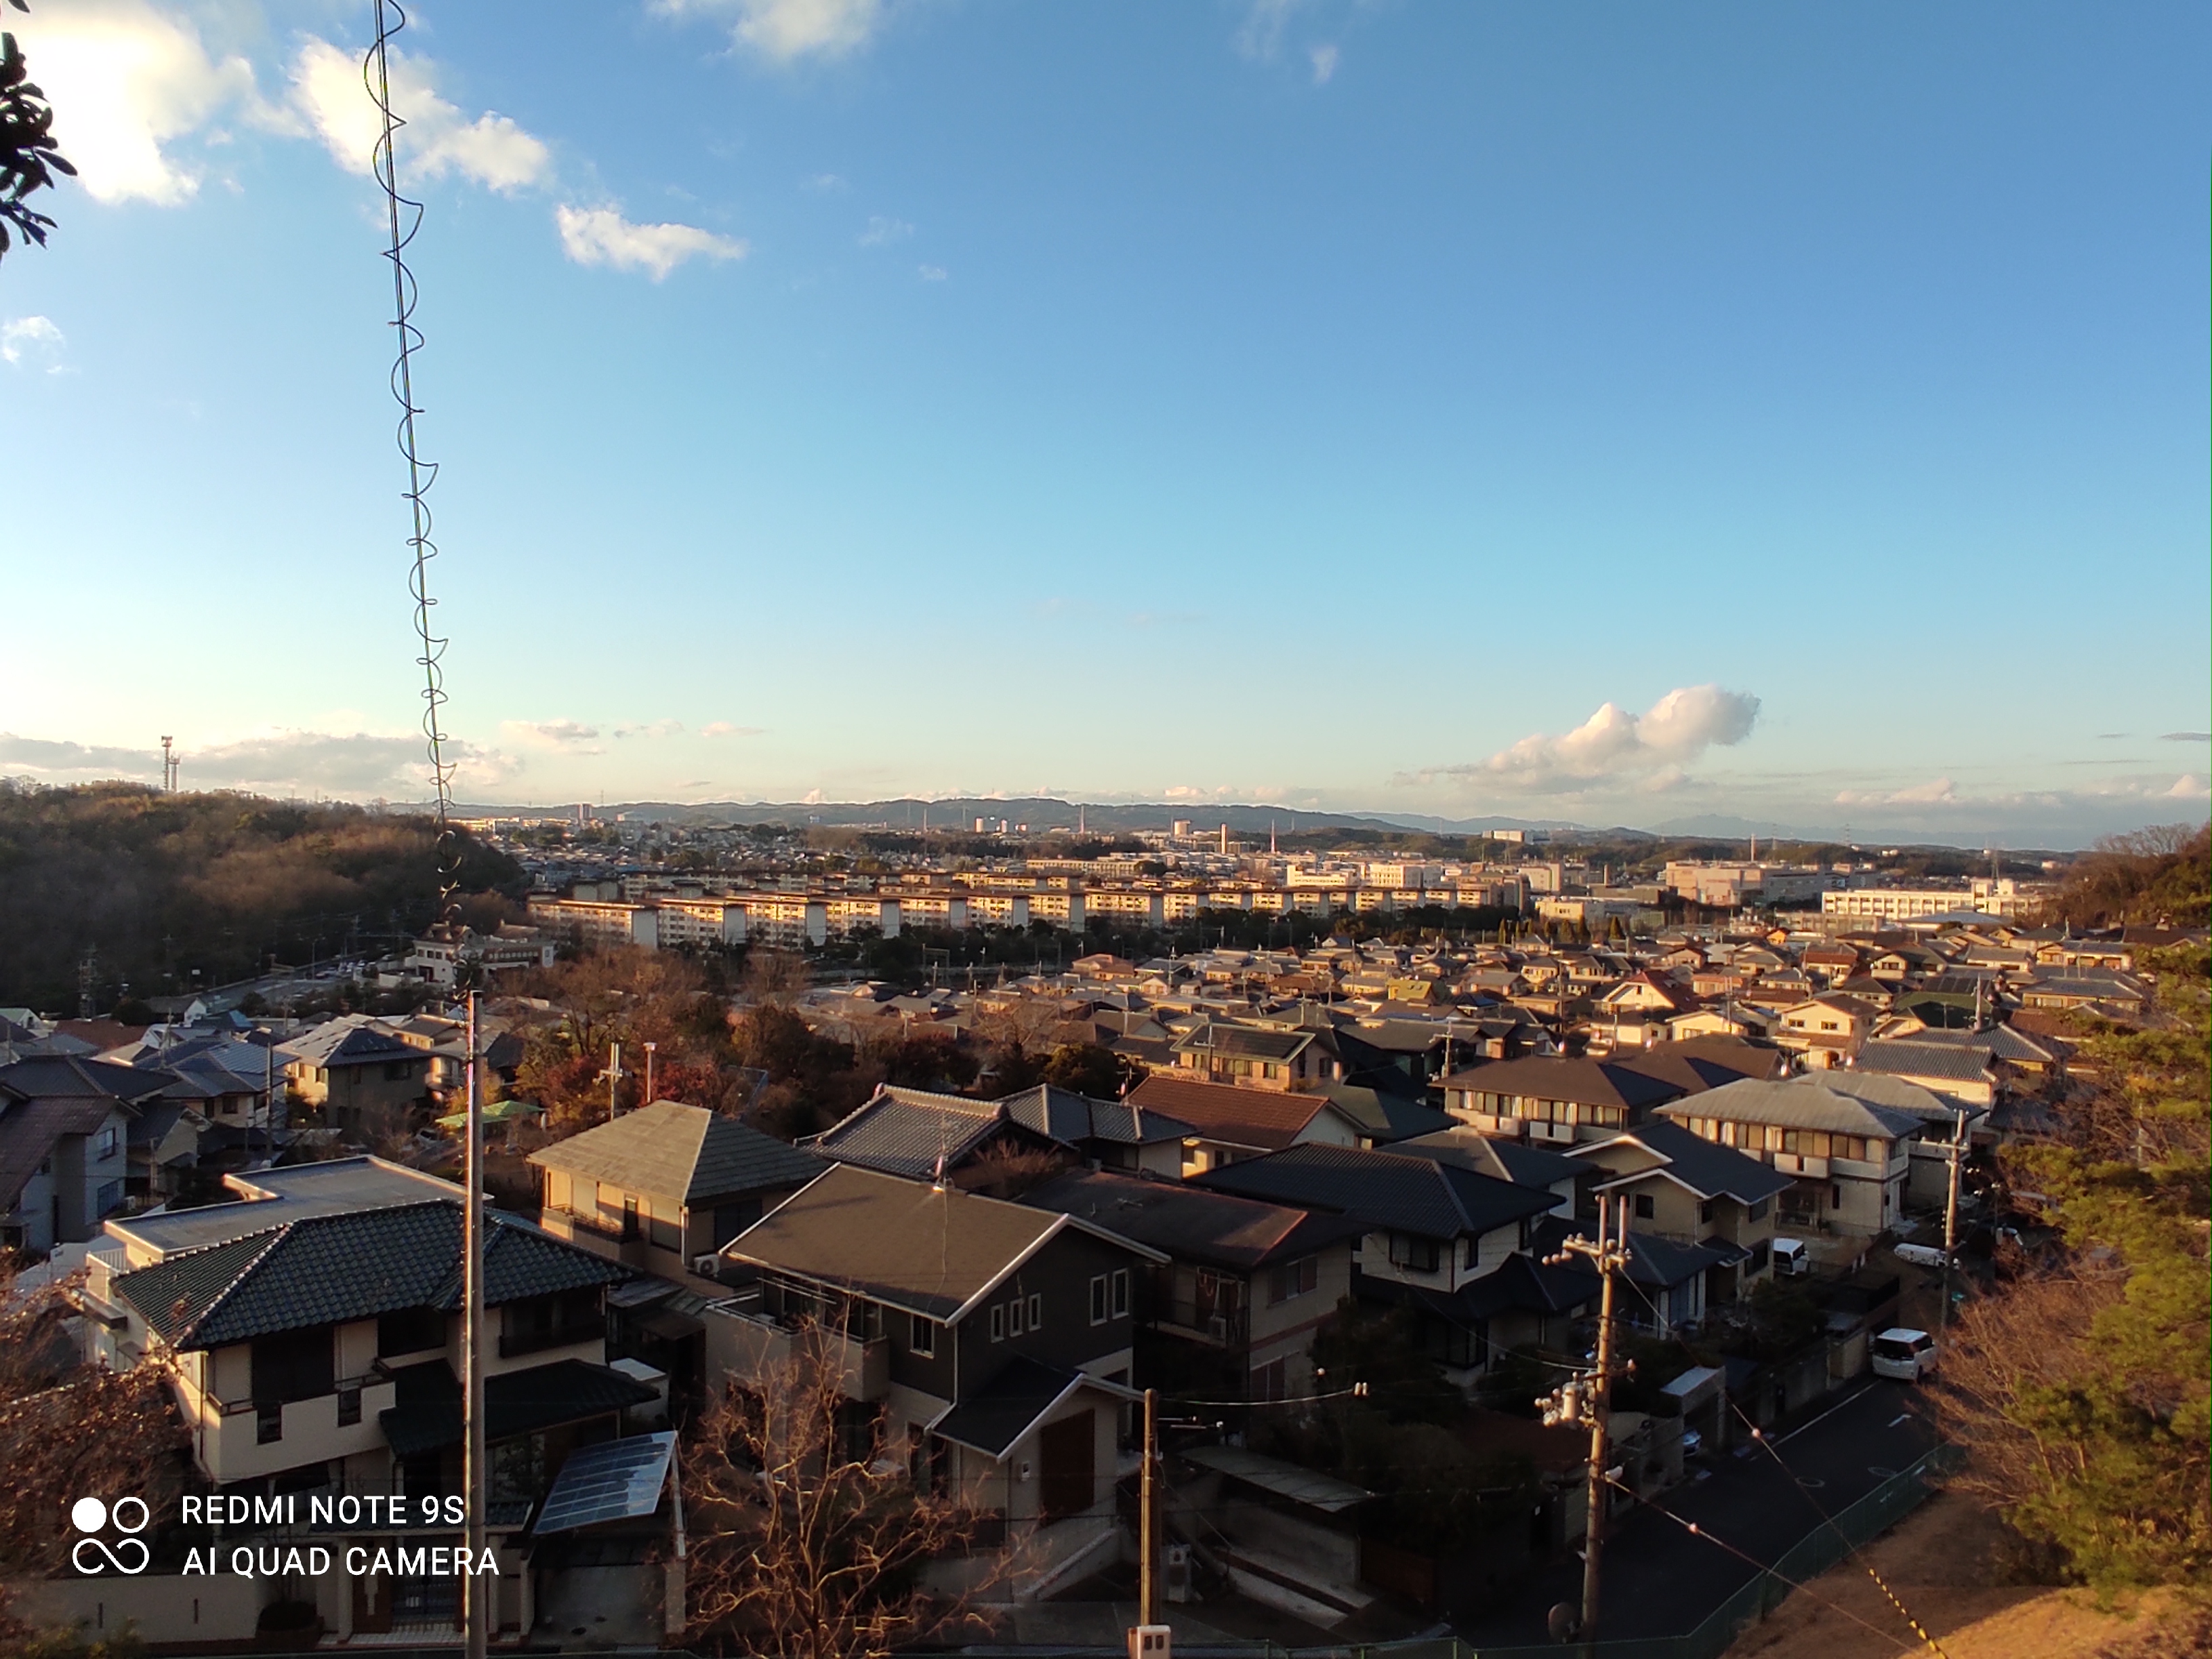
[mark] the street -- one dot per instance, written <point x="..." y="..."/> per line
<point x="1660" y="1580"/>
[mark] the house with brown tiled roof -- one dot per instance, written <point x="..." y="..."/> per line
<point x="1229" y="1123"/>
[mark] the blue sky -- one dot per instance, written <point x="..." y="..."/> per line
<point x="1609" y="413"/>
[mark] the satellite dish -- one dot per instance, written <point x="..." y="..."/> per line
<point x="1562" y="1620"/>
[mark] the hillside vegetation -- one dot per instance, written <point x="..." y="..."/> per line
<point x="158" y="885"/>
<point x="2160" y="877"/>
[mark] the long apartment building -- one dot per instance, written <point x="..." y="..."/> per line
<point x="2001" y="897"/>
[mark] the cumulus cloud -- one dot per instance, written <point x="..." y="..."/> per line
<point x="1324" y="63"/>
<point x="329" y="94"/>
<point x="784" y="31"/>
<point x="601" y="236"/>
<point x="882" y="232"/>
<point x="1614" y="747"/>
<point x="32" y="343"/>
<point x="127" y="82"/>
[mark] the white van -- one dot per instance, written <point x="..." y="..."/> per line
<point x="1791" y="1258"/>
<point x="1904" y="1353"/>
<point x="1921" y="1256"/>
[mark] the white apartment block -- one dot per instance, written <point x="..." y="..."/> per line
<point x="2002" y="897"/>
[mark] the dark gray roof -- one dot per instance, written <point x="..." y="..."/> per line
<point x="904" y="1131"/>
<point x="1074" y="1119"/>
<point x="1190" y="1223"/>
<point x="1397" y="1191"/>
<point x="1705" y="1167"/>
<point x="685" y="1152"/>
<point x="1902" y="1057"/>
<point x="343" y="1042"/>
<point x="1246" y="1042"/>
<point x="74" y="1077"/>
<point x="993" y="1419"/>
<point x="1520" y="1283"/>
<point x="1386" y="1117"/>
<point x="1588" y="1082"/>
<point x="930" y="1249"/>
<point x="426" y="1412"/>
<point x="322" y="1270"/>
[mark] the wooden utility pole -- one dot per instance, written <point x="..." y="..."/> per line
<point x="1148" y="1537"/>
<point x="480" y="1592"/>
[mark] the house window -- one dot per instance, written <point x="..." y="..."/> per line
<point x="921" y="1336"/>
<point x="1014" y="1317"/>
<point x="1037" y="1312"/>
<point x="1296" y="1278"/>
<point x="268" y="1423"/>
<point x="1705" y="1211"/>
<point x="1119" y="1285"/>
<point x="1836" y="1196"/>
<point x="1418" y="1255"/>
<point x="1098" y="1296"/>
<point x="1643" y="1206"/>
<point x="348" y="1404"/>
<point x="997" y="1323"/>
<point x="108" y="1141"/>
<point x="109" y="1197"/>
<point x="1757" y="1210"/>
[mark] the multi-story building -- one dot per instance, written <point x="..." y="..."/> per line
<point x="1848" y="1160"/>
<point x="1682" y="1188"/>
<point x="355" y="1073"/>
<point x="1555" y="1098"/>
<point x="596" y="923"/>
<point x="311" y="1334"/>
<point x="2002" y="897"/>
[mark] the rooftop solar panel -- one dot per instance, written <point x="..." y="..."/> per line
<point x="616" y="1481"/>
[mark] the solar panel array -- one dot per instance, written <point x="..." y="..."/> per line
<point x="616" y="1481"/>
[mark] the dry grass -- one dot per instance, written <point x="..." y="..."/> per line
<point x="1940" y="1562"/>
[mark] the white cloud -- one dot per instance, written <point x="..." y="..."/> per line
<point x="601" y="236"/>
<point x="571" y="736"/>
<point x="823" y="181"/>
<point x="32" y="341"/>
<point x="786" y="30"/>
<point x="1936" y="792"/>
<point x="1324" y="63"/>
<point x="724" y="729"/>
<point x="2189" y="786"/>
<point x="931" y="273"/>
<point x="1261" y="35"/>
<point x="1613" y="746"/>
<point x="126" y="82"/>
<point x="651" y="729"/>
<point x="882" y="232"/>
<point x="359" y="764"/>
<point x="329" y="93"/>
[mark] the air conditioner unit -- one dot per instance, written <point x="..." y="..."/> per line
<point x="706" y="1267"/>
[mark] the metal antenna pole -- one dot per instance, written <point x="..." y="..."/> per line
<point x="480" y="1591"/>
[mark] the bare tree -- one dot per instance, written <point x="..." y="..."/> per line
<point x="809" y="1534"/>
<point x="70" y="1430"/>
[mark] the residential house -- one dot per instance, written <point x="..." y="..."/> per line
<point x="311" y="1334"/>
<point x="1941" y="1118"/>
<point x="1691" y="1191"/>
<point x="1259" y="1057"/>
<point x="918" y="1135"/>
<point x="664" y="1188"/>
<point x="1825" y="1030"/>
<point x="1519" y="1162"/>
<point x="1232" y="1311"/>
<point x="1967" y="1073"/>
<point x="1438" y="1238"/>
<point x="991" y="1342"/>
<point x="1555" y="1098"/>
<point x="1848" y="1160"/>
<point x="64" y="1149"/>
<point x="355" y="1075"/>
<point x="1228" y="1123"/>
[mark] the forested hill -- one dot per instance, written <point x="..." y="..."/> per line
<point x="156" y="885"/>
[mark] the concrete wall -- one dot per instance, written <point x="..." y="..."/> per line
<point x="165" y="1608"/>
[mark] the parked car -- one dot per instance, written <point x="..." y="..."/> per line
<point x="1922" y="1255"/>
<point x="1904" y="1353"/>
<point x="1791" y="1258"/>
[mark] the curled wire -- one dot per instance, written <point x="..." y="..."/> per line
<point x="405" y="218"/>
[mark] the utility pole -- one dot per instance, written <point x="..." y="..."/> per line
<point x="480" y="1591"/>
<point x="1951" y="1219"/>
<point x="1588" y="1401"/>
<point x="649" y="1048"/>
<point x="614" y="1075"/>
<point x="1148" y="1541"/>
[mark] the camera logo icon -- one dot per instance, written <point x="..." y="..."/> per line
<point x="128" y="1554"/>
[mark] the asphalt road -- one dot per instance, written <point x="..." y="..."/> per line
<point x="1660" y="1580"/>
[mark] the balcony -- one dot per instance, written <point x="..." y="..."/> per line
<point x="240" y="1439"/>
<point x="745" y="1340"/>
<point x="515" y="1343"/>
<point x="1225" y="1327"/>
<point x="623" y="1229"/>
<point x="1801" y="1164"/>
